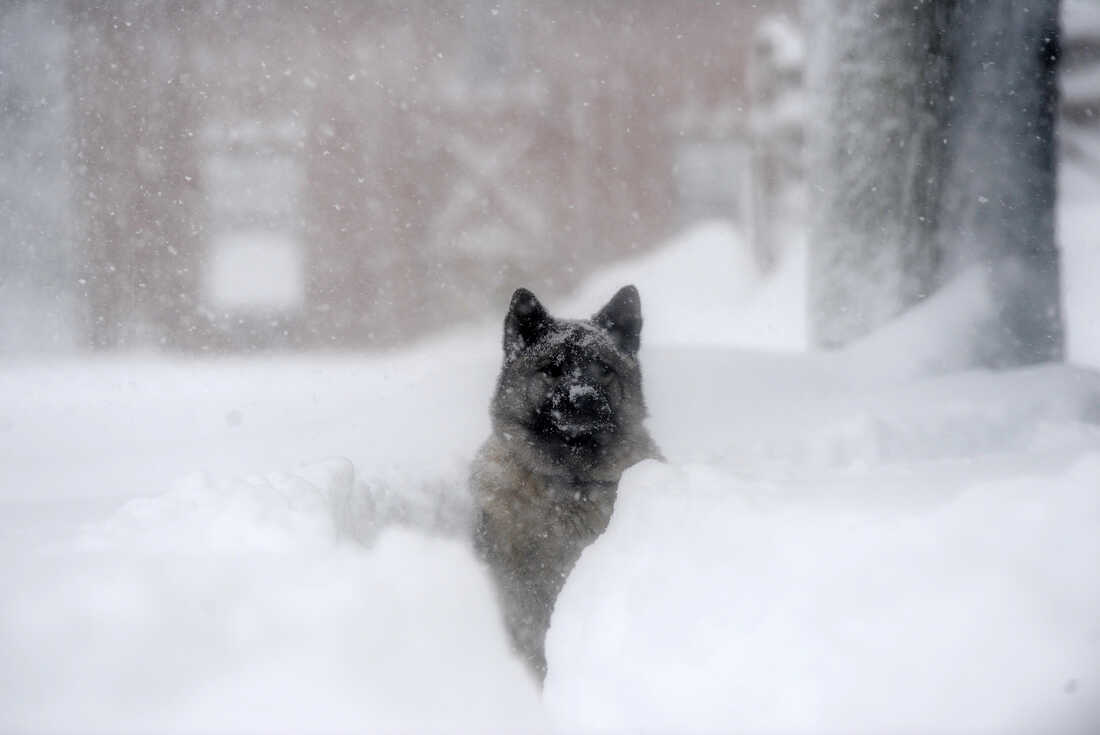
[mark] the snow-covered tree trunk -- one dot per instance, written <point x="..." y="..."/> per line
<point x="997" y="208"/>
<point x="935" y="153"/>
<point x="876" y="72"/>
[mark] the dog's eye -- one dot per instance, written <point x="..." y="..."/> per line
<point x="600" y="370"/>
<point x="551" y="370"/>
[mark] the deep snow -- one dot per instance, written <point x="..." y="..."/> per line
<point x="872" y="541"/>
<point x="875" y="562"/>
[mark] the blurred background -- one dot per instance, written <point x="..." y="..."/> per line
<point x="210" y="175"/>
<point x="202" y="175"/>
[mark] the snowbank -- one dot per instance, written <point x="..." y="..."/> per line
<point x="707" y="606"/>
<point x="116" y="427"/>
<point x="247" y="606"/>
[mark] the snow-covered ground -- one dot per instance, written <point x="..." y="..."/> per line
<point x="861" y="542"/>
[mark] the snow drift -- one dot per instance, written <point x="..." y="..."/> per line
<point x="855" y="543"/>
<point x="711" y="604"/>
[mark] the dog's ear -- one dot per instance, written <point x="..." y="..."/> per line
<point x="622" y="319"/>
<point x="527" y="320"/>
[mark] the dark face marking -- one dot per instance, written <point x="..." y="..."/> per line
<point x="573" y="396"/>
<point x="569" y="390"/>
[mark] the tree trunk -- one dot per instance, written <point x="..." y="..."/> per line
<point x="878" y="71"/>
<point x="935" y="154"/>
<point x="997" y="208"/>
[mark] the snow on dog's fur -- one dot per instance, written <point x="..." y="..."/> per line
<point x="567" y="420"/>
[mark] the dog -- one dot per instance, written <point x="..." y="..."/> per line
<point x="567" y="420"/>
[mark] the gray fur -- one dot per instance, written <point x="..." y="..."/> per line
<point x="567" y="420"/>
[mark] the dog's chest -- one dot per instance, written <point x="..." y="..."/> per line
<point x="548" y="511"/>
<point x="583" y="504"/>
<point x="560" y="508"/>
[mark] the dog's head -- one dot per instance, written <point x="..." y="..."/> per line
<point x="569" y="389"/>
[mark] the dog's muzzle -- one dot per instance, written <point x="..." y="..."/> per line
<point x="578" y="408"/>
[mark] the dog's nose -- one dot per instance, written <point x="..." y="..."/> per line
<point x="583" y="396"/>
